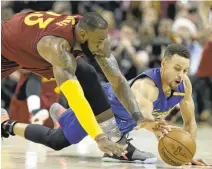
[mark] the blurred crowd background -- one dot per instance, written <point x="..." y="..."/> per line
<point x="139" y="33"/>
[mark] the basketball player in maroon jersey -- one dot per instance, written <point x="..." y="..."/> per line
<point x="48" y="44"/>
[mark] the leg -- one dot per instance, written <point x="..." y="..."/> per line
<point x="87" y="76"/>
<point x="75" y="133"/>
<point x="53" y="138"/>
<point x="98" y="100"/>
<point x="64" y="66"/>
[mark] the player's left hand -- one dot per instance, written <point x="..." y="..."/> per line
<point x="105" y="49"/>
<point x="199" y="162"/>
<point x="162" y="129"/>
<point x="149" y="124"/>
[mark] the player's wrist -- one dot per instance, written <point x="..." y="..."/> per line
<point x="100" y="137"/>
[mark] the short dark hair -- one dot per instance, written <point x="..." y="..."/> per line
<point x="176" y="49"/>
<point x="92" y="21"/>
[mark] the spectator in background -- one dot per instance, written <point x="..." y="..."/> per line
<point x="127" y="39"/>
<point x="62" y="7"/>
<point x="204" y="72"/>
<point x="112" y="30"/>
<point x="138" y="32"/>
<point x="6" y="10"/>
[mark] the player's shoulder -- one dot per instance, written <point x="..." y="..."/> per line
<point x="147" y="86"/>
<point x="52" y="41"/>
<point x="146" y="81"/>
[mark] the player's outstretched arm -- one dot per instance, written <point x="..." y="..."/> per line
<point x="146" y="93"/>
<point x="119" y="84"/>
<point x="187" y="110"/>
<point x="57" y="52"/>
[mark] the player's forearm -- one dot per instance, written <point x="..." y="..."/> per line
<point x="120" y="85"/>
<point x="191" y="127"/>
<point x="147" y="109"/>
<point x="73" y="92"/>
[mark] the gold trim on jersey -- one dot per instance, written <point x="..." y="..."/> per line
<point x="178" y="94"/>
<point x="44" y="80"/>
<point x="56" y="89"/>
<point x="159" y="115"/>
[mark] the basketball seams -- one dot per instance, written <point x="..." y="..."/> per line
<point x="186" y="134"/>
<point x="171" y="154"/>
<point x="182" y="145"/>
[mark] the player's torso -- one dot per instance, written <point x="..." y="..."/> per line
<point x="21" y="33"/>
<point x="163" y="105"/>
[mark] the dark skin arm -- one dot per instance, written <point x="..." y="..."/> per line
<point x="120" y="86"/>
<point x="57" y="52"/>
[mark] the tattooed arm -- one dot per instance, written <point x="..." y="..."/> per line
<point x="119" y="84"/>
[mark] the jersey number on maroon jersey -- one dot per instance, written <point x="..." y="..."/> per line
<point x="37" y="18"/>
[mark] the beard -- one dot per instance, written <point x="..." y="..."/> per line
<point x="86" y="50"/>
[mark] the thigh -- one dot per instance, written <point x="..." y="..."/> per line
<point x="71" y="127"/>
<point x="88" y="78"/>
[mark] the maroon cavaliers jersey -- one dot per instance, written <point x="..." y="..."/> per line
<point x="21" y="33"/>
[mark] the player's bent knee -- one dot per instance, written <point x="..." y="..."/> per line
<point x="57" y="141"/>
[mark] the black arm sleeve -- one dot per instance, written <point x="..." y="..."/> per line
<point x="92" y="88"/>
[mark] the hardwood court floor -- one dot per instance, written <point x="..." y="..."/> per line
<point x="17" y="153"/>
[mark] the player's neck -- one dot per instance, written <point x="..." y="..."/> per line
<point x="77" y="35"/>
<point x="165" y="87"/>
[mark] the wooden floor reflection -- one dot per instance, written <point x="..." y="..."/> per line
<point x="18" y="153"/>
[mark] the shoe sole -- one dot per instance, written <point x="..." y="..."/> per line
<point x="147" y="161"/>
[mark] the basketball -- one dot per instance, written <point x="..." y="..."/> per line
<point x="177" y="147"/>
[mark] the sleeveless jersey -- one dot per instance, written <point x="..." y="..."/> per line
<point x="163" y="105"/>
<point x="21" y="33"/>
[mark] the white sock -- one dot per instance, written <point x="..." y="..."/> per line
<point x="33" y="102"/>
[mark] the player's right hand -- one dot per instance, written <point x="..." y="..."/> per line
<point x="110" y="147"/>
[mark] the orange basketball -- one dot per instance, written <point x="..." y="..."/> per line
<point x="177" y="147"/>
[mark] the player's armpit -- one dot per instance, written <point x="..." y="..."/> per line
<point x="187" y="110"/>
<point x="119" y="84"/>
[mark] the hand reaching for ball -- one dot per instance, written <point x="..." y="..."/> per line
<point x="199" y="162"/>
<point x="163" y="129"/>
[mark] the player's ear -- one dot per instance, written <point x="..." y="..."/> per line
<point x="163" y="62"/>
<point x="83" y="35"/>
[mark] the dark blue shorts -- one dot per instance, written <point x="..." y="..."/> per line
<point x="74" y="132"/>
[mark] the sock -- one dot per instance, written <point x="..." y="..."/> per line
<point x="111" y="129"/>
